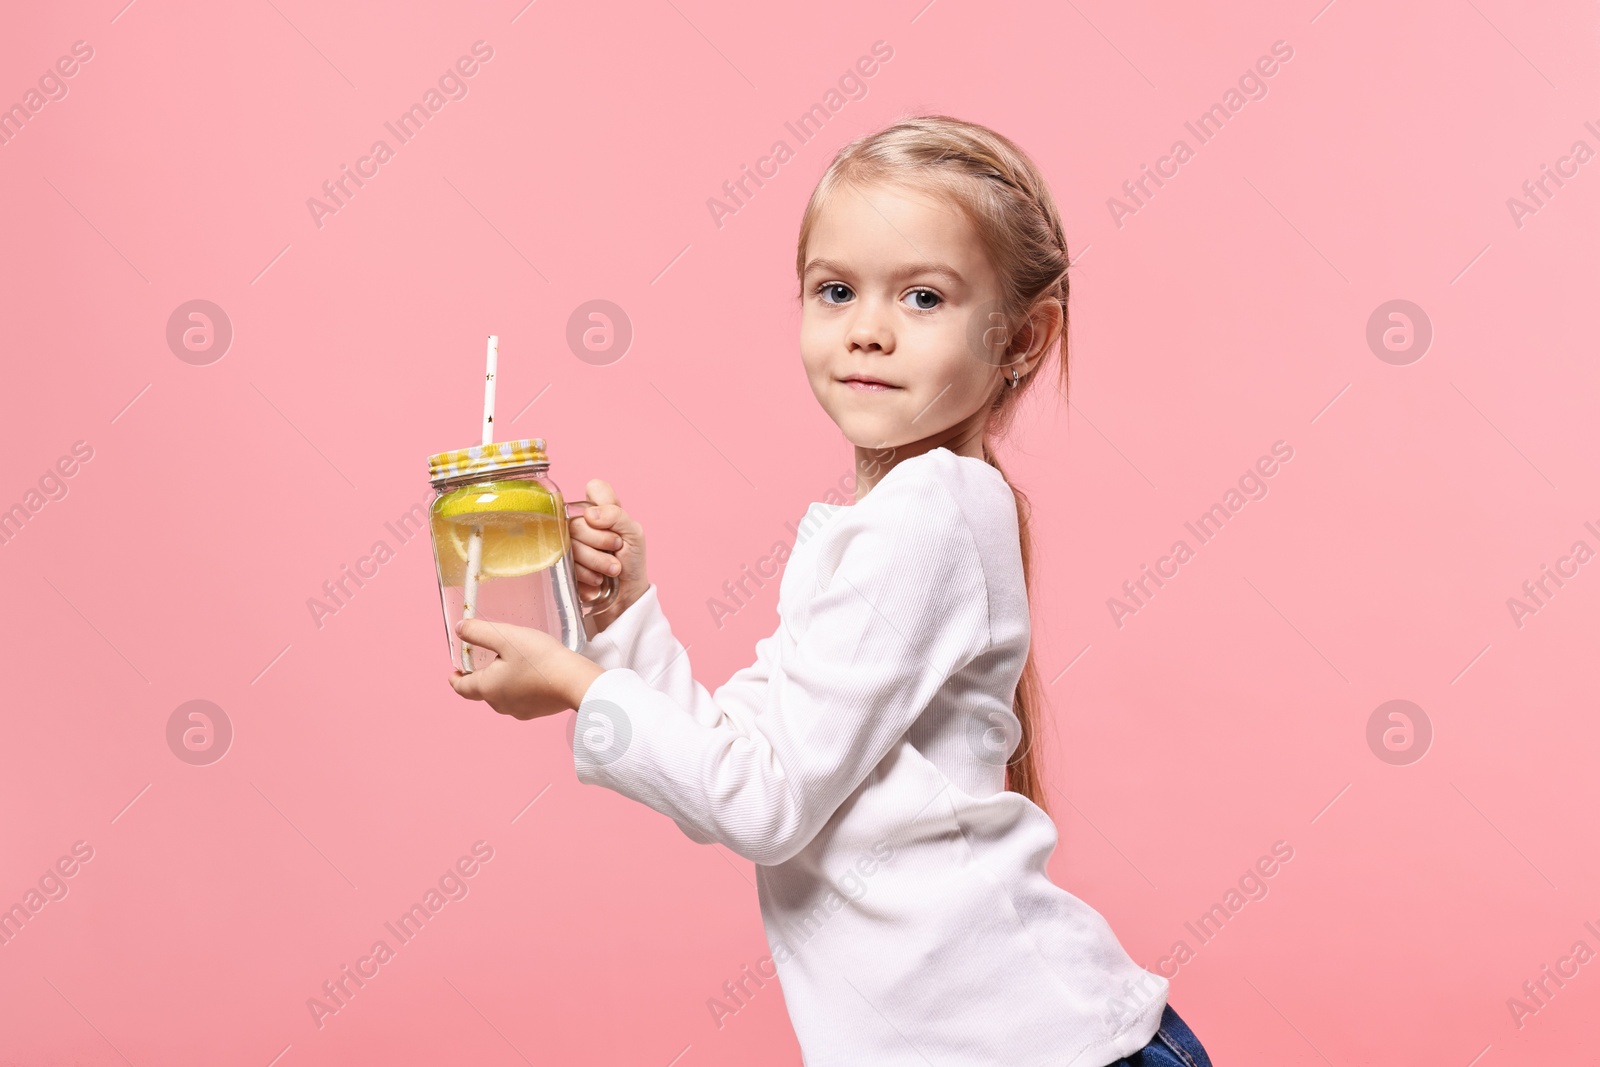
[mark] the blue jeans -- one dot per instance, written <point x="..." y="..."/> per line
<point x="1173" y="1046"/>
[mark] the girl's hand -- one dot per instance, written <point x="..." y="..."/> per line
<point x="533" y="674"/>
<point x="607" y="541"/>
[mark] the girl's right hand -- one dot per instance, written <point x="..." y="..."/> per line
<point x="607" y="541"/>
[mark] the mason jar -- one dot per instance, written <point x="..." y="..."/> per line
<point x="501" y="547"/>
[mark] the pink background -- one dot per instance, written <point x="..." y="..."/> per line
<point x="1230" y="312"/>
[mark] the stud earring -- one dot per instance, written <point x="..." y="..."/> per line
<point x="1016" y="377"/>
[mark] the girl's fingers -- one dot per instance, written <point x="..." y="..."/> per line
<point x="603" y="516"/>
<point x="600" y="491"/>
<point x="595" y="560"/>
<point x="601" y="539"/>
<point x="612" y="517"/>
<point x="585" y="576"/>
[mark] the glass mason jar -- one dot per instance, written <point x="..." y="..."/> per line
<point x="501" y="547"/>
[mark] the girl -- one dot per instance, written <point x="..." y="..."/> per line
<point x="875" y="761"/>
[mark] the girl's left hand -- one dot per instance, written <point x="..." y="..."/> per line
<point x="532" y="675"/>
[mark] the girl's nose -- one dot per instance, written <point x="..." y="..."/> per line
<point x="869" y="329"/>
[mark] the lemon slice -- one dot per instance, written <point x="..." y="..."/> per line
<point x="521" y="531"/>
<point x="496" y="497"/>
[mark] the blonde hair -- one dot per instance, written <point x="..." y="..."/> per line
<point x="1006" y="198"/>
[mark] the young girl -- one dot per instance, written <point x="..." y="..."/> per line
<point x="875" y="761"/>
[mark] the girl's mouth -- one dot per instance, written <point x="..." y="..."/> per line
<point x="867" y="384"/>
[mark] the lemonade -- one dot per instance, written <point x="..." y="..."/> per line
<point x="522" y="539"/>
<point x="521" y="533"/>
<point x="498" y="494"/>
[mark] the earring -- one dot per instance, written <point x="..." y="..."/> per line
<point x="1015" y="378"/>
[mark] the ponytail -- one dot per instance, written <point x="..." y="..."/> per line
<point x="1023" y="774"/>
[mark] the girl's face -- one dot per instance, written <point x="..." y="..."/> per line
<point x="893" y="281"/>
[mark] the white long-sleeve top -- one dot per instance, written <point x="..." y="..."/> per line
<point x="860" y="763"/>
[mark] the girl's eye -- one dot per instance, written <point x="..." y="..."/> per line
<point x="918" y="295"/>
<point x="835" y="289"/>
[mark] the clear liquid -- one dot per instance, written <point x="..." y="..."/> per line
<point x="525" y="576"/>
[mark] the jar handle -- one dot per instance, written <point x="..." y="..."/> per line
<point x="609" y="586"/>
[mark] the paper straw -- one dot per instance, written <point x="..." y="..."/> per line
<point x="475" y="544"/>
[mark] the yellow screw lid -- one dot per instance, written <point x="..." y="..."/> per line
<point x="486" y="459"/>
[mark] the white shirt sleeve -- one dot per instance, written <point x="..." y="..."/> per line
<point x="900" y="605"/>
<point x="641" y="639"/>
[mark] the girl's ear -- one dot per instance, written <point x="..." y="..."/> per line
<point x="1045" y="324"/>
